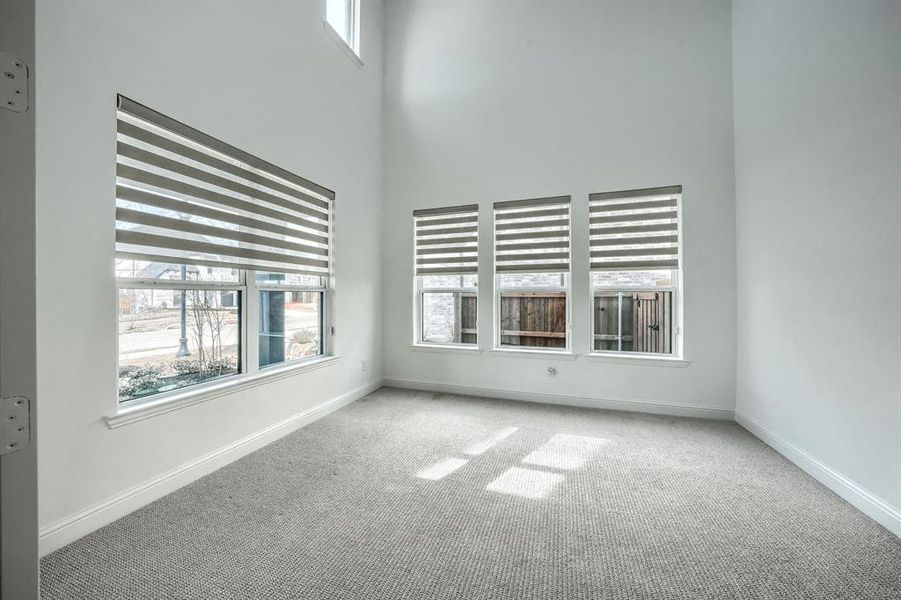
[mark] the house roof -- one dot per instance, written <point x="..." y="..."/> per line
<point x="156" y="270"/>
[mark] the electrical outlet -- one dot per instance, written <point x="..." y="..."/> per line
<point x="364" y="366"/>
<point x="552" y="371"/>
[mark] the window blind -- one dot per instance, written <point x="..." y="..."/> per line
<point x="635" y="230"/>
<point x="532" y="235"/>
<point x="447" y="240"/>
<point x="185" y="197"/>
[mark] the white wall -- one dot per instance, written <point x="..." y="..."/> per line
<point x="263" y="76"/>
<point x="488" y="101"/>
<point x="818" y="174"/>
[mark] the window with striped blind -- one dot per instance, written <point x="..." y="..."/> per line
<point x="207" y="234"/>
<point x="446" y="273"/>
<point x="634" y="240"/>
<point x="447" y="240"/>
<point x="532" y="235"/>
<point x="532" y="263"/>
<point x="185" y="197"/>
<point x="635" y="230"/>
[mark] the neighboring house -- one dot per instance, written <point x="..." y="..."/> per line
<point x="165" y="298"/>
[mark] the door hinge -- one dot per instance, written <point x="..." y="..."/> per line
<point x="13" y="83"/>
<point x="15" y="424"/>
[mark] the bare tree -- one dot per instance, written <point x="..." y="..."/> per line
<point x="198" y="324"/>
<point x="208" y="320"/>
<point x="216" y="318"/>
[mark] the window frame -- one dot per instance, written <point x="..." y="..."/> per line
<point x="419" y="291"/>
<point x="321" y="289"/>
<point x="677" y="288"/>
<point x="676" y="334"/>
<point x="248" y="317"/>
<point x="349" y="39"/>
<point x="499" y="292"/>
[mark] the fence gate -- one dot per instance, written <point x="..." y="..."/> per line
<point x="651" y="331"/>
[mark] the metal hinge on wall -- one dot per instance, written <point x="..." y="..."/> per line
<point x="13" y="83"/>
<point x="15" y="424"/>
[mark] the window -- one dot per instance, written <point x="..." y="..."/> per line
<point x="532" y="273"/>
<point x="291" y="317"/>
<point x="343" y="16"/>
<point x="179" y="325"/>
<point x="636" y="270"/>
<point x="210" y="239"/>
<point x="447" y="261"/>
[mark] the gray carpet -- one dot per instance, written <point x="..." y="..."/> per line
<point x="418" y="495"/>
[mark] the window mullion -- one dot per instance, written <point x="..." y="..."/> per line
<point x="349" y="8"/>
<point x="619" y="321"/>
<point x="251" y="323"/>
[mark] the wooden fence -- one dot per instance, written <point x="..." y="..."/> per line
<point x="466" y="310"/>
<point x="533" y="319"/>
<point x="646" y="322"/>
<point x="538" y="319"/>
<point x="528" y="319"/>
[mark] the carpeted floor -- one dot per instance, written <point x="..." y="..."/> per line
<point x="419" y="495"/>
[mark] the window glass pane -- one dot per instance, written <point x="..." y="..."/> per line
<point x="430" y="282"/>
<point x="165" y="345"/>
<point x="142" y="269"/>
<point x="274" y="279"/>
<point x="533" y="319"/>
<point x="633" y="279"/>
<point x="336" y="13"/>
<point x="290" y="326"/>
<point x="449" y="317"/>
<point x="629" y="321"/>
<point x="532" y="280"/>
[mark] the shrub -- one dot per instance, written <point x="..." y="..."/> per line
<point x="186" y="367"/>
<point x="139" y="380"/>
<point x="304" y="336"/>
<point x="220" y="366"/>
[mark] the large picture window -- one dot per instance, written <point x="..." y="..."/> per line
<point x="532" y="250"/>
<point x="222" y="259"/>
<point x="636" y="271"/>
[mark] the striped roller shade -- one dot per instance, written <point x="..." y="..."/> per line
<point x="635" y="230"/>
<point x="185" y="197"/>
<point x="447" y="240"/>
<point x="532" y="235"/>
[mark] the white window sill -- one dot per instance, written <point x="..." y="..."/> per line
<point x="468" y="349"/>
<point x="540" y="354"/>
<point x="342" y="44"/>
<point x="133" y="412"/>
<point x="636" y="359"/>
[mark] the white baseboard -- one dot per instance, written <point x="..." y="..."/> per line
<point x="67" y="530"/>
<point x="632" y="405"/>
<point x="868" y="503"/>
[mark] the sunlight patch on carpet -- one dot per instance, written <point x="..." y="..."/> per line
<point x="441" y="469"/>
<point x="564" y="451"/>
<point x="525" y="483"/>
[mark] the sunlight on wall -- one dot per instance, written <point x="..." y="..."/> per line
<point x="564" y="451"/>
<point x="441" y="469"/>
<point x="482" y="446"/>
<point x="525" y="483"/>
